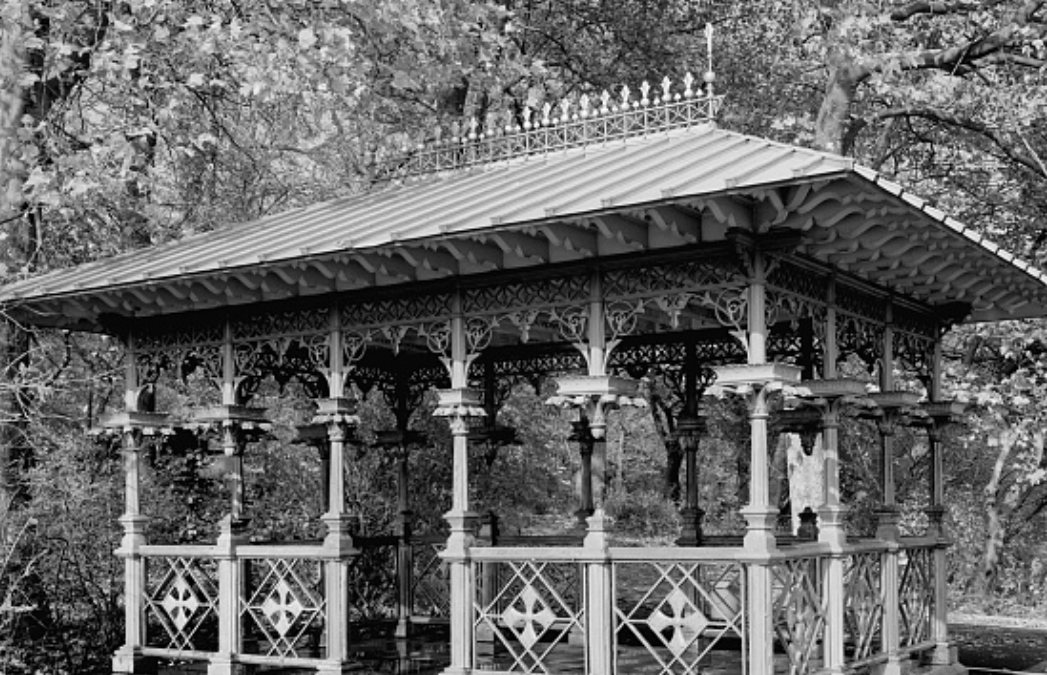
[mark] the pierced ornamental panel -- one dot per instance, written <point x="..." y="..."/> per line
<point x="915" y="351"/>
<point x="910" y="321"/>
<point x="410" y="309"/>
<point x="639" y="358"/>
<point x="864" y="604"/>
<point x="253" y="326"/>
<point x="197" y="345"/>
<point x="916" y="595"/>
<point x="430" y="581"/>
<point x="788" y="277"/>
<point x="181" y="603"/>
<point x="540" y="364"/>
<point x="527" y="608"/>
<point x="282" y="607"/>
<point x="680" y="612"/>
<point x="526" y="295"/>
<point x="799" y="610"/>
<point x="676" y="277"/>
<point x="853" y="301"/>
<point x="861" y="338"/>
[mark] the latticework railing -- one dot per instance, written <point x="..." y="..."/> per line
<point x="181" y="603"/>
<point x="799" y="610"/>
<point x="680" y="611"/>
<point x="282" y="607"/>
<point x="430" y="582"/>
<point x="863" y="604"/>
<point x="527" y="609"/>
<point x="916" y="595"/>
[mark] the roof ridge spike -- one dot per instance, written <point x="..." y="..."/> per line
<point x="575" y="121"/>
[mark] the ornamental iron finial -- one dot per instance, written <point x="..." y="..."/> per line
<point x="573" y="122"/>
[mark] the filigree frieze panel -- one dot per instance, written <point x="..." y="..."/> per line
<point x="790" y="278"/>
<point x="283" y="323"/>
<point x="861" y="304"/>
<point x="529" y="295"/>
<point x="861" y="338"/>
<point x="158" y="348"/>
<point x="413" y="308"/>
<point x="694" y="276"/>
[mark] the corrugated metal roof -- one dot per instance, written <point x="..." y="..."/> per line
<point x="684" y="167"/>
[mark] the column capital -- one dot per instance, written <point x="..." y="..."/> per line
<point x="237" y="423"/>
<point x="756" y="382"/>
<point x="337" y="413"/>
<point x="594" y="396"/>
<point x="459" y="406"/>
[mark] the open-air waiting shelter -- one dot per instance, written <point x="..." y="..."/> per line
<point x="589" y="242"/>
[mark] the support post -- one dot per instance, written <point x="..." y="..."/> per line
<point x="940" y="414"/>
<point x="237" y="425"/>
<point x="459" y="405"/>
<point x="339" y="416"/>
<point x="689" y="429"/>
<point x="758" y="380"/>
<point x="134" y="426"/>
<point x="581" y="434"/>
<point x="891" y="408"/>
<point x="404" y="548"/>
<point x="230" y="536"/>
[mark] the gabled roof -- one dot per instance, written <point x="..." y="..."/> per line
<point x="681" y="187"/>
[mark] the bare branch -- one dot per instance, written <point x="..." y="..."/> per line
<point x="1008" y="150"/>
<point x="924" y="7"/>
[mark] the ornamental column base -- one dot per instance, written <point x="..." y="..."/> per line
<point x="760" y="526"/>
<point x="596" y="531"/>
<point x="690" y="526"/>
<point x="831" y="524"/>
<point x="339" y="537"/>
<point x="887" y="518"/>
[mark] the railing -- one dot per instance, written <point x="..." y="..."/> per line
<point x="549" y="609"/>
<point x="916" y="598"/>
<point x="685" y="610"/>
<point x="279" y="608"/>
<point x="269" y="604"/>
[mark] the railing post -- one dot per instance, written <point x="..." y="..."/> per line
<point x="339" y="415"/>
<point x="891" y="405"/>
<point x="459" y="406"/>
<point x="230" y="591"/>
<point x="941" y="413"/>
<point x="133" y="427"/>
<point x="599" y="593"/>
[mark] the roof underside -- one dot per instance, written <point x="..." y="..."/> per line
<point x="682" y="189"/>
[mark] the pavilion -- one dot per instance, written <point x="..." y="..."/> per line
<point x="589" y="241"/>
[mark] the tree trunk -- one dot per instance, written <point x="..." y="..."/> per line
<point x="994" y="535"/>
<point x="832" y="128"/>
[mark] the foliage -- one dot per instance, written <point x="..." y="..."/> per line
<point x="130" y="124"/>
<point x="61" y="572"/>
